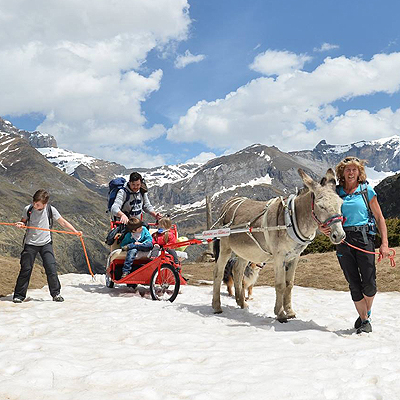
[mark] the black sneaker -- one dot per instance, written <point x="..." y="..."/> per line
<point x="17" y="300"/>
<point x="58" y="298"/>
<point x="358" y="322"/>
<point x="365" y="327"/>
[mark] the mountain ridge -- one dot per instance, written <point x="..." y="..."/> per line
<point x="257" y="171"/>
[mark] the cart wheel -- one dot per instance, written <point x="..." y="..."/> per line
<point x="165" y="284"/>
<point x="109" y="282"/>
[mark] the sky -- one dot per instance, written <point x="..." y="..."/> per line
<point x="152" y="82"/>
<point x="102" y="344"/>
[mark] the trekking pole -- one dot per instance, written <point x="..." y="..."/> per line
<point x="57" y="231"/>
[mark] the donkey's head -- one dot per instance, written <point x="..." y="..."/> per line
<point x="326" y="204"/>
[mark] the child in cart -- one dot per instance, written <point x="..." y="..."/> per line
<point x="166" y="235"/>
<point x="136" y="239"/>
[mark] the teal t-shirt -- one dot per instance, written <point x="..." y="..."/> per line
<point x="354" y="208"/>
<point x="144" y="238"/>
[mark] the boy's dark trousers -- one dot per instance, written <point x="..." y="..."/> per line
<point x="28" y="256"/>
<point x="132" y="252"/>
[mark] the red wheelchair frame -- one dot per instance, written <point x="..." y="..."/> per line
<point x="161" y="273"/>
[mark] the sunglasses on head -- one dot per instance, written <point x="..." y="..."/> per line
<point x="348" y="159"/>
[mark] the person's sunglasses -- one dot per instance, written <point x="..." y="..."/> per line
<point x="348" y="159"/>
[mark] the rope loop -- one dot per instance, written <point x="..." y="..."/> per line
<point x="391" y="257"/>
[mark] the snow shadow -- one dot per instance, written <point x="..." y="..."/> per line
<point x="116" y="291"/>
<point x="244" y="317"/>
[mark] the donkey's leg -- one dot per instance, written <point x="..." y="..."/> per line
<point x="238" y="272"/>
<point x="280" y="285"/>
<point x="224" y="254"/>
<point x="287" y="297"/>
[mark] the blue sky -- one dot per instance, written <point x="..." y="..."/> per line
<point x="287" y="74"/>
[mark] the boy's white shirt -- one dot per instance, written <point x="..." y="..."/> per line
<point x="39" y="219"/>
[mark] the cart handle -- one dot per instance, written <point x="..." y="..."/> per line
<point x="185" y="243"/>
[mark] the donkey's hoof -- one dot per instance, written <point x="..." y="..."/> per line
<point x="217" y="311"/>
<point x="282" y="318"/>
<point x="291" y="315"/>
<point x="244" y="305"/>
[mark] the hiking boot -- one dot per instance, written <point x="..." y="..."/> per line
<point x="17" y="300"/>
<point x="365" y="327"/>
<point x="58" y="298"/>
<point x="358" y="322"/>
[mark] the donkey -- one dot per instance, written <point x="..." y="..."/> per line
<point x="279" y="228"/>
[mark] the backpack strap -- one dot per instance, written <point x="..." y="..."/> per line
<point x="364" y="194"/>
<point x="50" y="215"/>
<point x="127" y="196"/>
<point x="29" y="212"/>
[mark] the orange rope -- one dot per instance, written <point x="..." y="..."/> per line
<point x="391" y="257"/>
<point x="57" y="231"/>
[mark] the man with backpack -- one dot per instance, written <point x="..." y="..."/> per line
<point x="130" y="199"/>
<point x="39" y="214"/>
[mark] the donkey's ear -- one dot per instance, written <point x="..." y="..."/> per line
<point x="308" y="181"/>
<point x="329" y="178"/>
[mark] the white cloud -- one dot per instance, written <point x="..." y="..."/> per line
<point x="131" y="158"/>
<point x="280" y="111"/>
<point x="274" y="62"/>
<point x="326" y="47"/>
<point x="80" y="64"/>
<point x="188" y="58"/>
<point x="201" y="158"/>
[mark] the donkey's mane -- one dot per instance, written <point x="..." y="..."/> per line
<point x="303" y="190"/>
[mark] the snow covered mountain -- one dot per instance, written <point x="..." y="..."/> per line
<point x="66" y="160"/>
<point x="101" y="172"/>
<point x="382" y="155"/>
<point x="35" y="139"/>
<point x="258" y="172"/>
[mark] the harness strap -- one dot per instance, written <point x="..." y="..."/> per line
<point x="239" y="200"/>
<point x="291" y="223"/>
<point x="250" y="234"/>
<point x="248" y="229"/>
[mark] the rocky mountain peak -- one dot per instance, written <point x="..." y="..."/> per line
<point x="36" y="139"/>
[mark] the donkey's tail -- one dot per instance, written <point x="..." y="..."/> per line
<point x="216" y="246"/>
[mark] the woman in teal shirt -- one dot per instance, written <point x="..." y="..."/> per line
<point x="360" y="207"/>
<point x="359" y="267"/>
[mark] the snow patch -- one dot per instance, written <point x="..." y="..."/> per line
<point x="102" y="344"/>
<point x="375" y="177"/>
<point x="66" y="160"/>
<point x="265" y="180"/>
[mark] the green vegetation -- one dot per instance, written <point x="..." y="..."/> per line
<point x="322" y="244"/>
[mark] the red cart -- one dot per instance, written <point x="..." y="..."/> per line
<point x="155" y="268"/>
